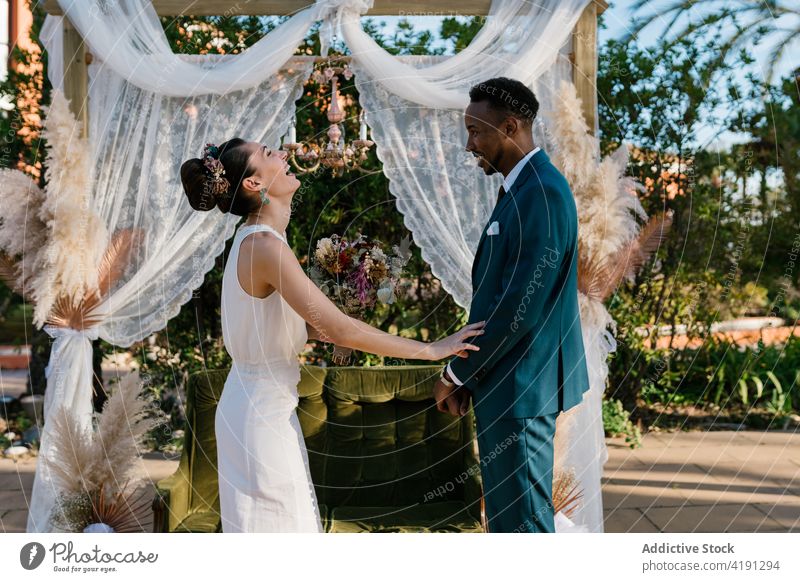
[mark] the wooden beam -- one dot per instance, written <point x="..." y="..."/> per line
<point x="76" y="76"/>
<point x="584" y="70"/>
<point x="288" y="7"/>
<point x="285" y="7"/>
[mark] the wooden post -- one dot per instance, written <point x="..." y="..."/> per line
<point x="584" y="70"/>
<point x="76" y="76"/>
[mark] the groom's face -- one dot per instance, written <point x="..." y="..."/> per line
<point x="485" y="139"/>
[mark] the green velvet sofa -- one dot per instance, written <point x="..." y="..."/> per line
<point x="383" y="459"/>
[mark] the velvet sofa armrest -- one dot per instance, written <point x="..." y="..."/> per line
<point x="171" y="503"/>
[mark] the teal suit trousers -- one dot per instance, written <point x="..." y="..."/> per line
<point x="516" y="457"/>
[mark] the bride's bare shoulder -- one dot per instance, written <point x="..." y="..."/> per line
<point x="262" y="239"/>
<point x="266" y="245"/>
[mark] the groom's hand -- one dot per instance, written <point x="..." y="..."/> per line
<point x="454" y="400"/>
<point x="445" y="399"/>
<point x="463" y="396"/>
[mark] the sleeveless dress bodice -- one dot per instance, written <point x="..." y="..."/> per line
<point x="258" y="330"/>
<point x="264" y="474"/>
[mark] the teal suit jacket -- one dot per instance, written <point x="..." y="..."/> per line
<point x="524" y="279"/>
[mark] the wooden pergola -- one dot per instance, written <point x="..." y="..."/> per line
<point x="583" y="54"/>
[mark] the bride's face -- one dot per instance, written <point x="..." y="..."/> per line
<point x="271" y="172"/>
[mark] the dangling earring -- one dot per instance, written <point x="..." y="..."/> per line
<point x="264" y="199"/>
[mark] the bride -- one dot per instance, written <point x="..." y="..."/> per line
<point x="269" y="309"/>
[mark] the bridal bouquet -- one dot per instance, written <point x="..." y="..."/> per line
<point x="357" y="274"/>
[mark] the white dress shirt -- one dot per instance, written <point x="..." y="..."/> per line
<point x="507" y="183"/>
<point x="512" y="175"/>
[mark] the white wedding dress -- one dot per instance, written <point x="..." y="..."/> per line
<point x="264" y="478"/>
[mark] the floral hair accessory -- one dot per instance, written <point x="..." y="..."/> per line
<point x="215" y="170"/>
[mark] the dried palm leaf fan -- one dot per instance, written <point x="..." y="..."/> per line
<point x="598" y="279"/>
<point x="93" y="468"/>
<point x="79" y="313"/>
<point x="102" y="510"/>
<point x="124" y="512"/>
<point x="566" y="493"/>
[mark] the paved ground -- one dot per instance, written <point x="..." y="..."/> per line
<point x="723" y="481"/>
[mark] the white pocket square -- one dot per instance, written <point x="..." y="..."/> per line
<point x="493" y="229"/>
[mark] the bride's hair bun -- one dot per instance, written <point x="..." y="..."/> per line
<point x="196" y="185"/>
<point x="215" y="179"/>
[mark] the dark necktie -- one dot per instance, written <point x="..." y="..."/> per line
<point x="500" y="194"/>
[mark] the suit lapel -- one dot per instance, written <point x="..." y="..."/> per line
<point x="528" y="170"/>
<point x="478" y="250"/>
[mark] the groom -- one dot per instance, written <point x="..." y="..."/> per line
<point x="531" y="363"/>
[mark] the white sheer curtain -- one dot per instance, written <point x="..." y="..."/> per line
<point x="519" y="39"/>
<point x="129" y="36"/>
<point x="580" y="443"/>
<point x="141" y="140"/>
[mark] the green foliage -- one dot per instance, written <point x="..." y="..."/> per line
<point x="17" y="423"/>
<point x="713" y="265"/>
<point x="26" y="89"/>
<point x="726" y="375"/>
<point x="744" y="23"/>
<point x="23" y="422"/>
<point x="216" y="34"/>
<point x="617" y="422"/>
<point x="459" y="31"/>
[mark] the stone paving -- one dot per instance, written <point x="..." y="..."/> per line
<point x="726" y="481"/>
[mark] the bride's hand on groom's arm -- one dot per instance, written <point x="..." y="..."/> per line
<point x="456" y="344"/>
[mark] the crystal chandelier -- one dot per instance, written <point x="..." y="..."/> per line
<point x="335" y="153"/>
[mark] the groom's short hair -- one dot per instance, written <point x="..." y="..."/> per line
<point x="508" y="96"/>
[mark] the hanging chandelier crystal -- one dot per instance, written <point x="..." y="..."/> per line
<point x="334" y="153"/>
